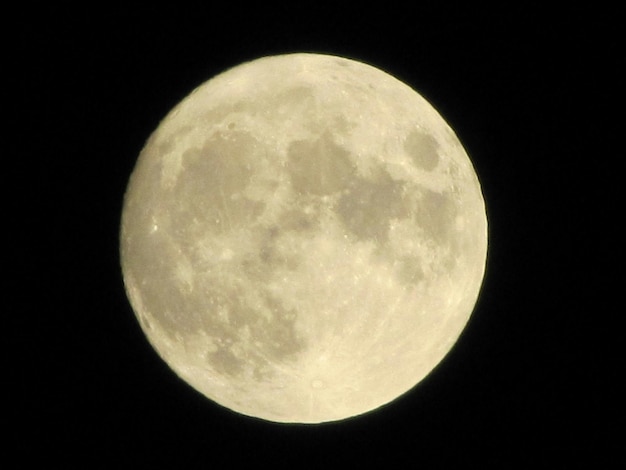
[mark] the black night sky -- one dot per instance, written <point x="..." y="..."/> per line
<point x="531" y="94"/>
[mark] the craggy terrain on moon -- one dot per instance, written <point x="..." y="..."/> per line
<point x="303" y="238"/>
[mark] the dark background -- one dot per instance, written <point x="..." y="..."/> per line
<point x="535" y="97"/>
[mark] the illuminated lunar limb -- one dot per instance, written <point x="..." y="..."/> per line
<point x="303" y="238"/>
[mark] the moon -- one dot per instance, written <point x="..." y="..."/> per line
<point x="303" y="238"/>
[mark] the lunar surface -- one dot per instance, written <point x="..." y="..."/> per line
<point x="303" y="238"/>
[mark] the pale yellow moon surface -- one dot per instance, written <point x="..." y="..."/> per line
<point x="303" y="238"/>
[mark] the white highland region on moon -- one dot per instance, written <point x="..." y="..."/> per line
<point x="303" y="238"/>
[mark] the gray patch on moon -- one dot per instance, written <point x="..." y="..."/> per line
<point x="270" y="254"/>
<point x="408" y="270"/>
<point x="319" y="167"/>
<point x="269" y="324"/>
<point x="281" y="340"/>
<point x="250" y="336"/>
<point x="423" y="150"/>
<point x="368" y="205"/>
<point x="225" y="362"/>
<point x="208" y="193"/>
<point x="299" y="220"/>
<point x="436" y="214"/>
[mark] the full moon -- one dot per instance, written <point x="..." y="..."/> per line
<point x="303" y="238"/>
